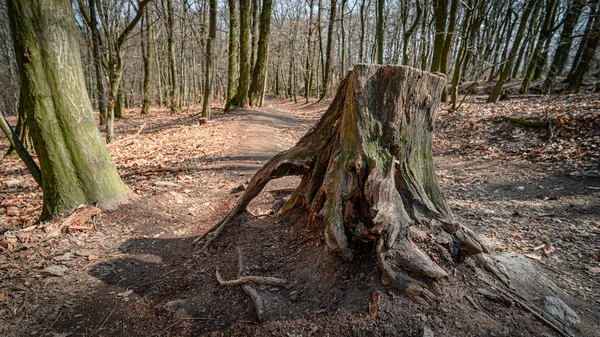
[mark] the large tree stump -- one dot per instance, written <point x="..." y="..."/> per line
<point x="367" y="172"/>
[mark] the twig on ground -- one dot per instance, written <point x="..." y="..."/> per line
<point x="259" y="305"/>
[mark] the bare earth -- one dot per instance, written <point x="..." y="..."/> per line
<point x="135" y="273"/>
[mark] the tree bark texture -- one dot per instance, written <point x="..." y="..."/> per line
<point x="241" y="97"/>
<point x="260" y="65"/>
<point x="210" y="55"/>
<point x="367" y="175"/>
<point x="75" y="163"/>
<point x="232" y="54"/>
<point x="328" y="51"/>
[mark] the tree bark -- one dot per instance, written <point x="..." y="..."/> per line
<point x="587" y="55"/>
<point x="75" y="164"/>
<point x="564" y="45"/>
<point x="241" y="97"/>
<point x="209" y="71"/>
<point x="97" y="44"/>
<point x="173" y="80"/>
<point x="147" y="54"/>
<point x="328" y="51"/>
<point x="379" y="30"/>
<point x="260" y="66"/>
<point x="367" y="175"/>
<point x="232" y="65"/>
<point x="440" y="13"/>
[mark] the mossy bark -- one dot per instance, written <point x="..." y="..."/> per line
<point x="368" y="175"/>
<point x="75" y="163"/>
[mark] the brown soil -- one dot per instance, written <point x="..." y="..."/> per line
<point x="146" y="246"/>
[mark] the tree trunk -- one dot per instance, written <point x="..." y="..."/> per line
<point x="328" y="52"/>
<point x="147" y="54"/>
<point x="23" y="153"/>
<point x="96" y="42"/>
<point x="232" y="66"/>
<point x="367" y="175"/>
<point x="308" y="74"/>
<point x="379" y="30"/>
<point x="564" y="45"/>
<point x="241" y="96"/>
<point x="260" y="66"/>
<point x="76" y="166"/>
<point x="587" y="56"/>
<point x="173" y="82"/>
<point x="210" y="51"/>
<point x="544" y="35"/>
<point x="440" y="13"/>
<point x="495" y="94"/>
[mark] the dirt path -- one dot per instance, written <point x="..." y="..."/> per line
<point x="138" y="275"/>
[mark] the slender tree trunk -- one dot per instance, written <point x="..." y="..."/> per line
<point x="379" y="30"/>
<point x="241" y="97"/>
<point x="564" y="45"/>
<point x="408" y="33"/>
<point x="361" y="54"/>
<point x="464" y="31"/>
<point x="255" y="33"/>
<point x="210" y="51"/>
<point x="260" y="67"/>
<point x="308" y="74"/>
<point x="544" y="35"/>
<point x="96" y="43"/>
<point x="440" y="13"/>
<point x="75" y="164"/>
<point x="588" y="53"/>
<point x="147" y="52"/>
<point x="23" y="153"/>
<point x="328" y="51"/>
<point x="447" y="44"/>
<point x="173" y="80"/>
<point x="232" y="66"/>
<point x="497" y="91"/>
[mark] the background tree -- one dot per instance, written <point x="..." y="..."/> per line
<point x="75" y="164"/>
<point x="210" y="55"/>
<point x="147" y="52"/>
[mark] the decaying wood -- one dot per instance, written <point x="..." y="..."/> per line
<point x="367" y="172"/>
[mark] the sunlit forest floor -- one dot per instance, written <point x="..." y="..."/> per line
<point x="133" y="272"/>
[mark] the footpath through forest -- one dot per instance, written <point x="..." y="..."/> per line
<point x="134" y="272"/>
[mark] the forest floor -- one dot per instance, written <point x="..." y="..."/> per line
<point x="134" y="272"/>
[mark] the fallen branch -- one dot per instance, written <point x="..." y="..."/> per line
<point x="31" y="165"/>
<point x="545" y="124"/>
<point x="248" y="279"/>
<point x="127" y="138"/>
<point x="163" y="169"/>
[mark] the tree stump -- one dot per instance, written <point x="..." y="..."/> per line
<point x="367" y="174"/>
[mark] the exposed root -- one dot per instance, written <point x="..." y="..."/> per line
<point x="250" y="279"/>
<point x="259" y="305"/>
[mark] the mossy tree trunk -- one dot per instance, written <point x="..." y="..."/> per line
<point x="75" y="164"/>
<point x="367" y="175"/>
<point x="260" y="65"/>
